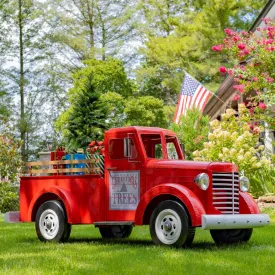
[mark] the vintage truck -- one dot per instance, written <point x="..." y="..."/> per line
<point x="144" y="181"/>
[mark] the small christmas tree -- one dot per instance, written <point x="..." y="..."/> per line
<point x="87" y="121"/>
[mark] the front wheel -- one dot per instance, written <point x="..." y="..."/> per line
<point x="51" y="223"/>
<point x="169" y="225"/>
<point x="231" y="235"/>
<point x="116" y="231"/>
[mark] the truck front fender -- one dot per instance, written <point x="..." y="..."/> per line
<point x="186" y="196"/>
<point x="72" y="211"/>
<point x="247" y="204"/>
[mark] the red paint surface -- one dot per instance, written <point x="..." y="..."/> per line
<point x="86" y="197"/>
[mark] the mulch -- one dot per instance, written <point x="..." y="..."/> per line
<point x="266" y="202"/>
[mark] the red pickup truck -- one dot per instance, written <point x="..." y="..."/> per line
<point x="145" y="181"/>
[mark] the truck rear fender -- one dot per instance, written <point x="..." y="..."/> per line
<point x="247" y="204"/>
<point x="169" y="191"/>
<point x="55" y="193"/>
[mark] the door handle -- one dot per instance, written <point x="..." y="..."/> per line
<point x="111" y="168"/>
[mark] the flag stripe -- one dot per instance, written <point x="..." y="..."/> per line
<point x="192" y="94"/>
<point x="197" y="94"/>
<point x="200" y="98"/>
<point x="177" y="110"/>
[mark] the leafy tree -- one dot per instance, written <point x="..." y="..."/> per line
<point x="87" y="119"/>
<point x="145" y="111"/>
<point x="183" y="43"/>
<point x="10" y="162"/>
<point x="25" y="55"/>
<point x="89" y="28"/>
<point x="192" y="131"/>
<point x="116" y="105"/>
<point x="110" y="87"/>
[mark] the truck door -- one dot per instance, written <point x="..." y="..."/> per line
<point x="123" y="178"/>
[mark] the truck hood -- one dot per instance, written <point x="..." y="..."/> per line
<point x="193" y="165"/>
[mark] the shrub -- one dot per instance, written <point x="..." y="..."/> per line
<point x="10" y="162"/>
<point x="236" y="139"/>
<point x="192" y="131"/>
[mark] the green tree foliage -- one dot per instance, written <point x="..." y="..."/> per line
<point x="25" y="75"/>
<point x="116" y="105"/>
<point x="111" y="86"/>
<point x="89" y="28"/>
<point x="184" y="42"/>
<point x="192" y="131"/>
<point x="10" y="162"/>
<point x="145" y="111"/>
<point x="87" y="119"/>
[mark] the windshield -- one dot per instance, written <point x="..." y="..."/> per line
<point x="171" y="146"/>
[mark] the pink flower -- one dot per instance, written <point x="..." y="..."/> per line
<point x="236" y="97"/>
<point x="262" y="106"/>
<point x="230" y="72"/>
<point x="239" y="88"/>
<point x="251" y="126"/>
<point x="236" y="38"/>
<point x="255" y="79"/>
<point x="241" y="46"/>
<point x="246" y="51"/>
<point x="229" y="32"/>
<point x="266" y="20"/>
<point x="223" y="70"/>
<point x="269" y="79"/>
<point x="251" y="111"/>
<point x="217" y="48"/>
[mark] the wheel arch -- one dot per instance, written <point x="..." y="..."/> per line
<point x="44" y="198"/>
<point x="62" y="195"/>
<point x="248" y="204"/>
<point x="177" y="192"/>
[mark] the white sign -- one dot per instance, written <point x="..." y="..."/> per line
<point x="124" y="190"/>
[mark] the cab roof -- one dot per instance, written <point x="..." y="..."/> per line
<point x="138" y="129"/>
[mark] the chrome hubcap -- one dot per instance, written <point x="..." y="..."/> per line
<point x="168" y="226"/>
<point x="49" y="224"/>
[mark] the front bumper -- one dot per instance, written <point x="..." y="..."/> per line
<point x="237" y="221"/>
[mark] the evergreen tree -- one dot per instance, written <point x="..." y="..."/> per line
<point x="87" y="119"/>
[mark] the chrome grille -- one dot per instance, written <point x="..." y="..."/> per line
<point x="226" y="192"/>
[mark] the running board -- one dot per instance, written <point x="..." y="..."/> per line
<point x="98" y="224"/>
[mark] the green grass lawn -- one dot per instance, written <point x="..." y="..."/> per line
<point x="87" y="253"/>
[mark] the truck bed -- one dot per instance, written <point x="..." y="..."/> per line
<point x="79" y="194"/>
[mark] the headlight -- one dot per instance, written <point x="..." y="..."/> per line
<point x="202" y="180"/>
<point x="244" y="184"/>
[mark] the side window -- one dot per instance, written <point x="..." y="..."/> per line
<point x="152" y="145"/>
<point x="122" y="148"/>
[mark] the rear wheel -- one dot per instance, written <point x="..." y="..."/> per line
<point x="169" y="225"/>
<point x="116" y="231"/>
<point x="231" y="235"/>
<point x="51" y="223"/>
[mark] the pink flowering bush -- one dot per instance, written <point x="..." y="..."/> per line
<point x="254" y="70"/>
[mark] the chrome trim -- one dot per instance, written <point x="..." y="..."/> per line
<point x="237" y="221"/>
<point x="225" y="192"/>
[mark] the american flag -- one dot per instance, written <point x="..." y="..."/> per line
<point x="192" y="95"/>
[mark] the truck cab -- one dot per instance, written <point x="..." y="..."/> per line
<point x="145" y="181"/>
